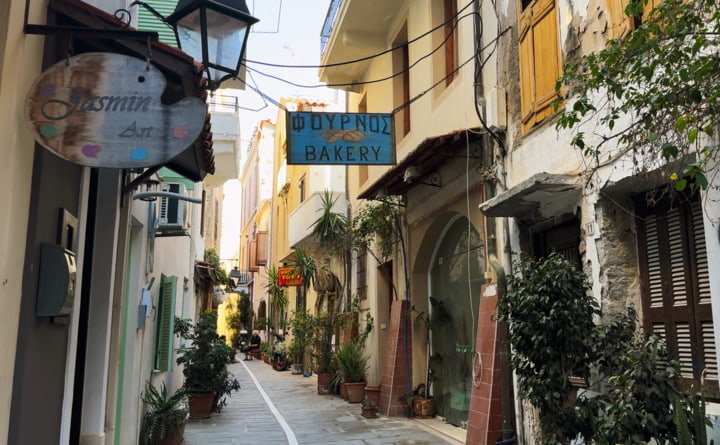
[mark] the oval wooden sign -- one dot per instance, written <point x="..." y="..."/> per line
<point x="104" y="110"/>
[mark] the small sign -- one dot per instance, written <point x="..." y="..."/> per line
<point x="340" y="138"/>
<point x="104" y="110"/>
<point x="288" y="276"/>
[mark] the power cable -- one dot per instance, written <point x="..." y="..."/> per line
<point x="362" y="59"/>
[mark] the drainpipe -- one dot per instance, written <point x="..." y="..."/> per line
<point x="500" y="269"/>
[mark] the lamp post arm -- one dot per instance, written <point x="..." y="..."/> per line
<point x="180" y="196"/>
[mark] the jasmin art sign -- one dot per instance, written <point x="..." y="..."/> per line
<point x="340" y="138"/>
<point x="104" y="110"/>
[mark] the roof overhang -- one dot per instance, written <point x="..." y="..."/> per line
<point x="428" y="157"/>
<point x="532" y="194"/>
<point x="183" y="75"/>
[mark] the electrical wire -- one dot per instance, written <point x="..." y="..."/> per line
<point x="382" y="53"/>
<point x="383" y="79"/>
<point x="401" y="106"/>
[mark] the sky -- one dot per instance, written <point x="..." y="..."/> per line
<point x="289" y="34"/>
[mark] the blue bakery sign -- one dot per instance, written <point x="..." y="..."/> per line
<point x="340" y="138"/>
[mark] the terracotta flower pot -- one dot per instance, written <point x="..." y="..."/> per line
<point x="369" y="412"/>
<point x="174" y="436"/>
<point x="372" y="394"/>
<point x="423" y="408"/>
<point x="355" y="392"/>
<point x="324" y="381"/>
<point x="200" y="404"/>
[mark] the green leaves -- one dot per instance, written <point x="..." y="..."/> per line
<point x="552" y="334"/>
<point x="658" y="83"/>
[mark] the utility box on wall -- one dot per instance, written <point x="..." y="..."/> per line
<point x="56" y="282"/>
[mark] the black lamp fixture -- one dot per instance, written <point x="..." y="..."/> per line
<point x="213" y="32"/>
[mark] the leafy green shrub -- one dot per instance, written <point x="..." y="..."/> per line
<point x="553" y="337"/>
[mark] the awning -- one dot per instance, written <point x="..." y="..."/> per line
<point x="430" y="155"/>
<point x="183" y="75"/>
<point x="530" y="195"/>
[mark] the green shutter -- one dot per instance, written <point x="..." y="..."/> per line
<point x="148" y="22"/>
<point x="166" y="319"/>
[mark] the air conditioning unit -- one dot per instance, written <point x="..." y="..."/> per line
<point x="174" y="218"/>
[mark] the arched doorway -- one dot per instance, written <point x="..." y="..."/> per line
<point x="456" y="275"/>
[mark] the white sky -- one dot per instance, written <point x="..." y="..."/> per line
<point x="288" y="33"/>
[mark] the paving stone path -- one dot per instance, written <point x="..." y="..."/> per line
<point x="281" y="408"/>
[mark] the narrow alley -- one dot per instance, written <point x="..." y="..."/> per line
<point x="281" y="408"/>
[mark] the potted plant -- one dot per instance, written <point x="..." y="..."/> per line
<point x="322" y="351"/>
<point x="164" y="420"/>
<point x="266" y="351"/>
<point x="369" y="409"/>
<point x="421" y="398"/>
<point x="352" y="364"/>
<point x="301" y="328"/>
<point x="204" y="363"/>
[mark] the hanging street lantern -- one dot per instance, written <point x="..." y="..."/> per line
<point x="213" y="32"/>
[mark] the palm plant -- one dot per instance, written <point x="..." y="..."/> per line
<point x="278" y="299"/>
<point x="164" y="413"/>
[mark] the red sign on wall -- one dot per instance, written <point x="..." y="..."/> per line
<point x="287" y="276"/>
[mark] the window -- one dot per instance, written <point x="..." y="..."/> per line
<point x="166" y="320"/>
<point x="620" y="23"/>
<point x="301" y="189"/>
<point x="361" y="276"/>
<point x="449" y="13"/>
<point x="401" y="85"/>
<point x="676" y="286"/>
<point x="539" y="60"/>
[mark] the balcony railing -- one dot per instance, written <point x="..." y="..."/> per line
<point x="329" y="24"/>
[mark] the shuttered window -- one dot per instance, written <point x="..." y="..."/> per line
<point x="539" y="60"/>
<point x="449" y="12"/>
<point x="262" y="248"/>
<point x="166" y="319"/>
<point x="676" y="286"/>
<point x="620" y="24"/>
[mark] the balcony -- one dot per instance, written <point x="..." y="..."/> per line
<point x="355" y="29"/>
<point x="225" y="128"/>
<point x="302" y="218"/>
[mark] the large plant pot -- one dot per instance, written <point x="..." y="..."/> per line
<point x="343" y="390"/>
<point x="201" y="404"/>
<point x="324" y="382"/>
<point x="355" y="392"/>
<point x="423" y="408"/>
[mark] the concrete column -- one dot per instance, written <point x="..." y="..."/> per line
<point x="92" y="430"/>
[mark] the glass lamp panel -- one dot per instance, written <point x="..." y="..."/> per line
<point x="190" y="35"/>
<point x="226" y="36"/>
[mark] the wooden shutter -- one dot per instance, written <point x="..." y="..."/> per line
<point x="547" y="57"/>
<point x="450" y="9"/>
<point x="166" y="320"/>
<point x="676" y="290"/>
<point x="253" y="266"/>
<point x="262" y="248"/>
<point x="539" y="61"/>
<point x="527" y="84"/>
<point x="619" y="24"/>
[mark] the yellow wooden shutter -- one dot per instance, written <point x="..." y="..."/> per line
<point x="547" y="57"/>
<point x="527" y="90"/>
<point x="619" y="24"/>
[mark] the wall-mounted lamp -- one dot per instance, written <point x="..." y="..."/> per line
<point x="412" y="174"/>
<point x="213" y="32"/>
